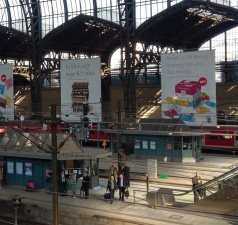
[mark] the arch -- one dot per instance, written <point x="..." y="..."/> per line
<point x="13" y="43"/>
<point x="196" y="22"/>
<point x="84" y="34"/>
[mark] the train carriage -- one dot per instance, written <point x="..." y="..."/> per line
<point x="220" y="140"/>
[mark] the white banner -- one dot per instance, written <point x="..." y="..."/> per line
<point x="189" y="87"/>
<point x="6" y="92"/>
<point x="81" y="89"/>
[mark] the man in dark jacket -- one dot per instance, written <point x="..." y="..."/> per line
<point x="86" y="185"/>
<point x="122" y="184"/>
<point x="126" y="174"/>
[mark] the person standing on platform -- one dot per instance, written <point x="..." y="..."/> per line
<point x="113" y="171"/>
<point x="63" y="183"/>
<point x="111" y="187"/>
<point x="122" y="184"/>
<point x="126" y="174"/>
<point x="196" y="183"/>
<point x="49" y="180"/>
<point x="86" y="185"/>
<point x="1" y="176"/>
<point x="73" y="181"/>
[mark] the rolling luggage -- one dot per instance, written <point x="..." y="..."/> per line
<point x="107" y="195"/>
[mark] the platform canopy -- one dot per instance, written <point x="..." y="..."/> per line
<point x="16" y="143"/>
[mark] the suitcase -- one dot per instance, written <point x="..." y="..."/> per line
<point x="31" y="185"/>
<point x="107" y="196"/>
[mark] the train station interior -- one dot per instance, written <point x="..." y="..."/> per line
<point x="85" y="83"/>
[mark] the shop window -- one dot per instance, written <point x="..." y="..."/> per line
<point x="10" y="167"/>
<point x="145" y="145"/>
<point x="137" y="144"/>
<point x="152" y="145"/>
<point x="19" y="168"/>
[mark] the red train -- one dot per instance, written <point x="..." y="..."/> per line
<point x="220" y="140"/>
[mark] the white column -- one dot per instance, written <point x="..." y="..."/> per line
<point x="152" y="168"/>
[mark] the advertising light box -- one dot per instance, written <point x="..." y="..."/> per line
<point x="189" y="87"/>
<point x="81" y="89"/>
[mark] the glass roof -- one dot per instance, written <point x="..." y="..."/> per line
<point x="16" y="14"/>
<point x="55" y="12"/>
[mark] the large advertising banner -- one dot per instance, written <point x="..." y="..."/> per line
<point x="81" y="89"/>
<point x="6" y="92"/>
<point x="189" y="87"/>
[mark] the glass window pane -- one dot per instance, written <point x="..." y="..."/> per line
<point x="152" y="145"/>
<point x="137" y="144"/>
<point x="145" y="144"/>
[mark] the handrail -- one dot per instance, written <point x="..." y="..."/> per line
<point x="211" y="182"/>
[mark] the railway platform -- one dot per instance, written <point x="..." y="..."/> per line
<point x="134" y="210"/>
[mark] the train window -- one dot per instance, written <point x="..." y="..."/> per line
<point x="225" y="137"/>
<point x="236" y="137"/>
<point x="214" y="137"/>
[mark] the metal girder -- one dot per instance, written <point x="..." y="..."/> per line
<point x="127" y="23"/>
<point x="9" y="14"/>
<point x="31" y="11"/>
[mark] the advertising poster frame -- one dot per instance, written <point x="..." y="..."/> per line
<point x="189" y="87"/>
<point x="81" y="89"/>
<point x="6" y="92"/>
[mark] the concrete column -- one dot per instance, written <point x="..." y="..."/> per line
<point x="152" y="168"/>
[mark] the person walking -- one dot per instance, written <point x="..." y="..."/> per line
<point x="122" y="184"/>
<point x="85" y="185"/>
<point x="196" y="183"/>
<point x="111" y="187"/>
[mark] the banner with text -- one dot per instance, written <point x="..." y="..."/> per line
<point x="189" y="87"/>
<point x="81" y="89"/>
<point x="6" y="92"/>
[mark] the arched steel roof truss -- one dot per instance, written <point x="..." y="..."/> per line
<point x="187" y="25"/>
<point x="84" y="34"/>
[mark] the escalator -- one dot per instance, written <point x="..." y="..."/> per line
<point x="223" y="188"/>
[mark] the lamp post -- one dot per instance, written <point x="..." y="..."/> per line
<point x="16" y="203"/>
<point x="54" y="165"/>
<point x="119" y="134"/>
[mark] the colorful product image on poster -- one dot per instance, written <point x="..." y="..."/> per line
<point x="6" y="92"/>
<point x="189" y="87"/>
